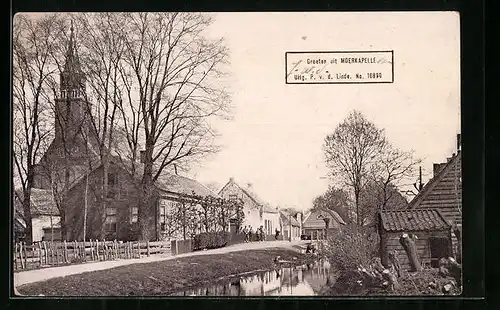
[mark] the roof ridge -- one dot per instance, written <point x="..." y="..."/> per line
<point x="432" y="182"/>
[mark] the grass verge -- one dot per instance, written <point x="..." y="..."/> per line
<point x="160" y="278"/>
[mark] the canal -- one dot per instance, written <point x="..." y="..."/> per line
<point x="305" y="280"/>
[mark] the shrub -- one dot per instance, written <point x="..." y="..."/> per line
<point x="210" y="240"/>
<point x="352" y="247"/>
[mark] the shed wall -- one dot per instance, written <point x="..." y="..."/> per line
<point x="422" y="243"/>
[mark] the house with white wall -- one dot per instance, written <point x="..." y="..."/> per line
<point x="45" y="217"/>
<point x="257" y="212"/>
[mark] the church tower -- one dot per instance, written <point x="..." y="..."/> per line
<point x="67" y="157"/>
<point x="71" y="104"/>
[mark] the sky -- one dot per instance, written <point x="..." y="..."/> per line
<point x="274" y="140"/>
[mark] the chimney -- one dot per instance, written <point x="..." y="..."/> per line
<point x="231" y="179"/>
<point x="437" y="168"/>
<point x="143" y="156"/>
<point x="249" y="185"/>
<point x="459" y="142"/>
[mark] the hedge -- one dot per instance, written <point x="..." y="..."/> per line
<point x="210" y="240"/>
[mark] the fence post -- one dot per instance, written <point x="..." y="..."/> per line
<point x="57" y="253"/>
<point x="21" y="254"/>
<point x="75" y="249"/>
<point x="39" y="246"/>
<point x="97" y="249"/>
<point x="44" y="256"/>
<point x="15" y="255"/>
<point x="105" y="250"/>
<point x="91" y="250"/>
<point x="24" y="255"/>
<point x="66" y="259"/>
<point x="51" y="245"/>
<point x="147" y="244"/>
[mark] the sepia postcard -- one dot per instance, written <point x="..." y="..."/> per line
<point x="236" y="154"/>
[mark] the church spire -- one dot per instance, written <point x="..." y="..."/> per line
<point x="72" y="62"/>
<point x="72" y="77"/>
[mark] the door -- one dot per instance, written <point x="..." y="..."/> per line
<point x="440" y="247"/>
<point x="233" y="228"/>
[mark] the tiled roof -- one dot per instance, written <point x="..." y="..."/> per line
<point x="42" y="202"/>
<point x="170" y="182"/>
<point x="413" y="220"/>
<point x="182" y="185"/>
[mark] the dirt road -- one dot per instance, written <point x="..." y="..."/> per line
<point x="31" y="276"/>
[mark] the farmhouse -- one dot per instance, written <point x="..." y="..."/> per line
<point x="257" y="212"/>
<point x="314" y="226"/>
<point x="432" y="230"/>
<point x="444" y="193"/>
<point x="171" y="194"/>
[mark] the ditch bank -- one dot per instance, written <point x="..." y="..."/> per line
<point x="163" y="277"/>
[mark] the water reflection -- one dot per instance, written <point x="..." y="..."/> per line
<point x="303" y="280"/>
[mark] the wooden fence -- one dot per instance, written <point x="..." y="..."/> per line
<point x="46" y="254"/>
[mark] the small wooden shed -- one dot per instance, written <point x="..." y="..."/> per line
<point x="432" y="230"/>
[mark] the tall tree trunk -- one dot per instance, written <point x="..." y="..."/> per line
<point x="104" y="196"/>
<point x="27" y="214"/>
<point x="356" y="199"/>
<point x="64" y="229"/>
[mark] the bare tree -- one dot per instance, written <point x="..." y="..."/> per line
<point x="351" y="151"/>
<point x="393" y="170"/>
<point x="171" y="76"/>
<point x="33" y="41"/>
<point x="101" y="54"/>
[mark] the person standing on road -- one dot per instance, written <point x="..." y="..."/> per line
<point x="245" y="232"/>
<point x="250" y="233"/>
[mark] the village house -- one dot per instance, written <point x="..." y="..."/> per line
<point x="71" y="165"/>
<point x="444" y="193"/>
<point x="257" y="212"/>
<point x="429" y="225"/>
<point x="314" y="225"/>
<point x="291" y="224"/>
<point x="45" y="218"/>
<point x="122" y="208"/>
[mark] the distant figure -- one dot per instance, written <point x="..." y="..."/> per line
<point x="277" y="234"/>
<point x="261" y="233"/>
<point x="246" y="232"/>
<point x="250" y="233"/>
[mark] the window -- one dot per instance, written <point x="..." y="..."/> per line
<point x="134" y="215"/>
<point x="112" y="185"/>
<point x="233" y="197"/>
<point x="110" y="223"/>
<point x="112" y="179"/>
<point x="63" y="94"/>
<point x="163" y="217"/>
